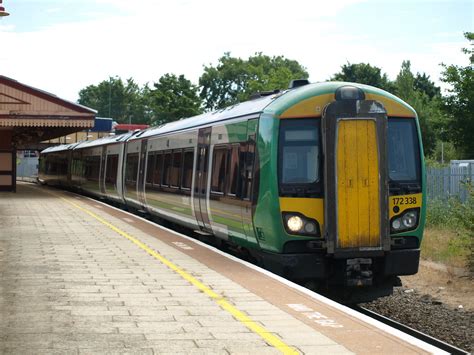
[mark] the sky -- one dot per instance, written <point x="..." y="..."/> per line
<point x="62" y="46"/>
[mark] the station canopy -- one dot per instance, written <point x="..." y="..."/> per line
<point x="33" y="115"/>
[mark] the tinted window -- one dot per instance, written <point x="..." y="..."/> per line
<point x="219" y="163"/>
<point x="188" y="169"/>
<point x="299" y="151"/>
<point x="166" y="169"/>
<point x="233" y="170"/>
<point x="403" y="150"/>
<point x="92" y="168"/>
<point x="158" y="169"/>
<point x="176" y="168"/>
<point x="111" y="169"/>
<point x="150" y="167"/>
<point x="131" y="169"/>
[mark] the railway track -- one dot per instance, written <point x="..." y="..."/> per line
<point x="410" y="331"/>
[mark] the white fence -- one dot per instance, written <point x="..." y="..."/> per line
<point x="452" y="181"/>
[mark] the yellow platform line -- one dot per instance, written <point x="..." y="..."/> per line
<point x="221" y="301"/>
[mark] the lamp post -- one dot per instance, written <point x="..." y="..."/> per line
<point x="3" y="13"/>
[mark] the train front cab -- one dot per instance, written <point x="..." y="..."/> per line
<point x="359" y="218"/>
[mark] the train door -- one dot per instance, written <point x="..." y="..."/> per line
<point x="142" y="172"/>
<point x="248" y="159"/>
<point x="103" y="170"/>
<point x="356" y="177"/>
<point x="201" y="186"/>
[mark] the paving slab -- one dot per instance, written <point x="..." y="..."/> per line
<point x="80" y="277"/>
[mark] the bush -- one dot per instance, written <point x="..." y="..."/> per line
<point x="457" y="219"/>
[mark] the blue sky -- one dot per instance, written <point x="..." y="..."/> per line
<point x="63" y="46"/>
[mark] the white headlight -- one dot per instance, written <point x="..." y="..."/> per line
<point x="396" y="224"/>
<point x="310" y="227"/>
<point x="294" y="223"/>
<point x="409" y="219"/>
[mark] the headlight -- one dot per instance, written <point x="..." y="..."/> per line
<point x="409" y="219"/>
<point x="406" y="221"/>
<point x="310" y="227"/>
<point x="396" y="224"/>
<point x="294" y="223"/>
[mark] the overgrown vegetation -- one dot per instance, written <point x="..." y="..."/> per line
<point x="449" y="235"/>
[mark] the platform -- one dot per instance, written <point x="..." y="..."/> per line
<point x="78" y="276"/>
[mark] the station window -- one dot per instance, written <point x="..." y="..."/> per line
<point x="219" y="163"/>
<point x="188" y="169"/>
<point x="175" y="168"/>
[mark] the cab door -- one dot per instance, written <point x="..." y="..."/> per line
<point x="356" y="177"/>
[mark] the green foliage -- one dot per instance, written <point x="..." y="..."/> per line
<point x="426" y="106"/>
<point x="233" y="80"/>
<point x="457" y="218"/>
<point x="459" y="105"/>
<point x="422" y="83"/>
<point x="172" y="98"/>
<point x="364" y="74"/>
<point x="122" y="101"/>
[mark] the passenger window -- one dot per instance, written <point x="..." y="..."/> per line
<point x="188" y="169"/>
<point x="158" y="169"/>
<point x="233" y="170"/>
<point x="175" y="168"/>
<point x="131" y="169"/>
<point x="150" y="168"/>
<point x="166" y="169"/>
<point x="111" y="169"/>
<point x="219" y="163"/>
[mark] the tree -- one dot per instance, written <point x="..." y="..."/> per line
<point x="172" y="98"/>
<point x="427" y="108"/>
<point x="364" y="74"/>
<point x="113" y="98"/>
<point x="459" y="104"/>
<point x="424" y="84"/>
<point x="233" y="80"/>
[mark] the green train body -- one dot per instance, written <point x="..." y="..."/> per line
<point x="322" y="182"/>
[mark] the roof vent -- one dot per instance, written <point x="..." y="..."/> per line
<point x="260" y="94"/>
<point x="297" y="83"/>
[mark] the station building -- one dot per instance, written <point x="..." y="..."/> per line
<point x="30" y="116"/>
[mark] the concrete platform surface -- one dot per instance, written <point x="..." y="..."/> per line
<point x="79" y="277"/>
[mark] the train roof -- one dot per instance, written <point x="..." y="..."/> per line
<point x="105" y="140"/>
<point x="275" y="104"/>
<point x="89" y="144"/>
<point x="246" y="108"/>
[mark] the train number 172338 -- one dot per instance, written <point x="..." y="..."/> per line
<point x="404" y="200"/>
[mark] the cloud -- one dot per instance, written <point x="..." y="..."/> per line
<point x="145" y="39"/>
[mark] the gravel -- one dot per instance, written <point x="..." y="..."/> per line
<point x="429" y="315"/>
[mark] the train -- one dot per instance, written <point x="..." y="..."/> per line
<point x="322" y="182"/>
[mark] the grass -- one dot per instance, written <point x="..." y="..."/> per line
<point x="449" y="233"/>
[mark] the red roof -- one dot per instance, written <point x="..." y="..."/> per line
<point x="130" y="127"/>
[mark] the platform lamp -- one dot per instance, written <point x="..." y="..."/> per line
<point x="3" y="13"/>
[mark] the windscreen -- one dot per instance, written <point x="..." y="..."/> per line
<point x="299" y="163"/>
<point x="403" y="150"/>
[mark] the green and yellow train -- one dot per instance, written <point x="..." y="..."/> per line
<point x="322" y="182"/>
